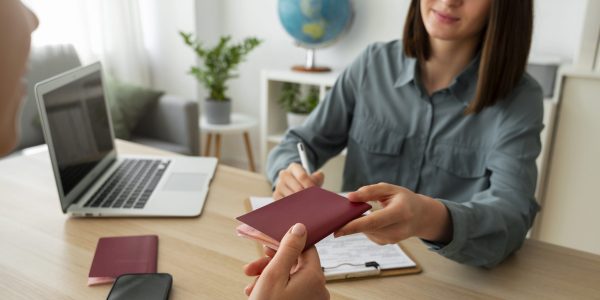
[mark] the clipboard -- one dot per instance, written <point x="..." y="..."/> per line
<point x="371" y="268"/>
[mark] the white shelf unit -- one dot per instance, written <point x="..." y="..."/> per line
<point x="273" y="118"/>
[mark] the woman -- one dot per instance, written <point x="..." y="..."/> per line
<point x="441" y="128"/>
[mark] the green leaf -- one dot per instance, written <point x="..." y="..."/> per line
<point x="291" y="99"/>
<point x="219" y="62"/>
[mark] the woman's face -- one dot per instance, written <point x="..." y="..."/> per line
<point x="16" y="24"/>
<point x="455" y="20"/>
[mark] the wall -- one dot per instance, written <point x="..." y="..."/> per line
<point x="558" y="28"/>
<point x="208" y="29"/>
<point x="170" y="59"/>
<point x="589" y="49"/>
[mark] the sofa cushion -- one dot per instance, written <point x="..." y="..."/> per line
<point x="128" y="104"/>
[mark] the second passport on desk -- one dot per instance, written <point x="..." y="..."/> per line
<point x="123" y="255"/>
<point x="321" y="211"/>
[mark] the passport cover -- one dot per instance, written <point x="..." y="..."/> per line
<point x="121" y="255"/>
<point x="321" y="211"/>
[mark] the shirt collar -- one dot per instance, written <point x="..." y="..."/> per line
<point x="407" y="73"/>
<point x="462" y="87"/>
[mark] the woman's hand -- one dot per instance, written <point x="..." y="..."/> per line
<point x="288" y="273"/>
<point x="404" y="214"/>
<point x="294" y="179"/>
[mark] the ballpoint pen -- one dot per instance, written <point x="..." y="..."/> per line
<point x="303" y="158"/>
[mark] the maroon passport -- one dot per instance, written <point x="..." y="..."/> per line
<point x="321" y="211"/>
<point x="121" y="255"/>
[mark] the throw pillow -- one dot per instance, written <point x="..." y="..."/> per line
<point x="128" y="104"/>
<point x="118" y="122"/>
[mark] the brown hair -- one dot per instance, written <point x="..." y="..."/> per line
<point x="505" y="43"/>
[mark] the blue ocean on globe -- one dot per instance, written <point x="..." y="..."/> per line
<point x="315" y="23"/>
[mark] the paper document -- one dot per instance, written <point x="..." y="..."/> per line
<point x="349" y="254"/>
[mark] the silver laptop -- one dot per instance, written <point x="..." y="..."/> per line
<point x="92" y="180"/>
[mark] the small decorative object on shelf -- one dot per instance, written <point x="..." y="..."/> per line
<point x="296" y="105"/>
<point x="315" y="24"/>
<point x="219" y="64"/>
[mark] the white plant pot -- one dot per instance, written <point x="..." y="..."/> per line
<point x="295" y="120"/>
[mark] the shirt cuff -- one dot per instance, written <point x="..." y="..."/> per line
<point x="459" y="215"/>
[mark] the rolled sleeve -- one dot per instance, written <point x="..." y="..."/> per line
<point x="459" y="215"/>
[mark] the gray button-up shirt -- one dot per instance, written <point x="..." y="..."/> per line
<point x="481" y="166"/>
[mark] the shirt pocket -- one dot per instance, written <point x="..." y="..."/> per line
<point x="462" y="162"/>
<point x="374" y="153"/>
<point x="377" y="139"/>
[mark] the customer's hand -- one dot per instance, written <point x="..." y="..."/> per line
<point x="288" y="273"/>
<point x="404" y="214"/>
<point x="294" y="179"/>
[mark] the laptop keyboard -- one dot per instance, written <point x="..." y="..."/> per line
<point x="131" y="185"/>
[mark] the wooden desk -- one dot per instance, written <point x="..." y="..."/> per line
<point x="46" y="255"/>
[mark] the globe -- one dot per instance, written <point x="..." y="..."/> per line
<point x="315" y="23"/>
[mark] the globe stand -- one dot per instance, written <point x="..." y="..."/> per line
<point x="310" y="64"/>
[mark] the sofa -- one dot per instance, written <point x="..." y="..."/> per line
<point x="171" y="124"/>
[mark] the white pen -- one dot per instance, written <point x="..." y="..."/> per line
<point x="303" y="158"/>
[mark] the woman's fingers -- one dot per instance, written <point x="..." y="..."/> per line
<point x="290" y="248"/>
<point x="310" y="259"/>
<point x="373" y="192"/>
<point x="377" y="239"/>
<point x="288" y="179"/>
<point x="277" y="195"/>
<point x="250" y="287"/>
<point x="303" y="178"/>
<point x="268" y="251"/>
<point x="318" y="178"/>
<point x="256" y="267"/>
<point x="369" y="223"/>
<point x="295" y="179"/>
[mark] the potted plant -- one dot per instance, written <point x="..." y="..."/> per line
<point x="297" y="106"/>
<point x="219" y="65"/>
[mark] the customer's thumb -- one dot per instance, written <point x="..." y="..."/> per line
<point x="290" y="248"/>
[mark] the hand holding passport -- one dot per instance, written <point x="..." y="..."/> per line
<point x="321" y="211"/>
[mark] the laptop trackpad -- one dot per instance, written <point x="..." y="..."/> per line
<point x="185" y="182"/>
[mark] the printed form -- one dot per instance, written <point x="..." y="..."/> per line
<point x="350" y="254"/>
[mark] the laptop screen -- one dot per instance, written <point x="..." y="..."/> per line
<point x="79" y="128"/>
